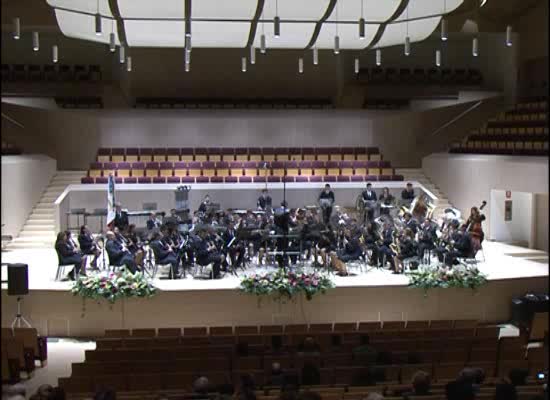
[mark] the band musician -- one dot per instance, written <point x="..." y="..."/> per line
<point x="386" y="201"/>
<point x="369" y="202"/>
<point x="118" y="253"/>
<point x="121" y="218"/>
<point x="407" y="195"/>
<point x="264" y="201"/>
<point x="326" y="202"/>
<point x="205" y="205"/>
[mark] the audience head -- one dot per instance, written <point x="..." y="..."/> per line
<point x="369" y="185"/>
<point x="518" y="376"/>
<point x="201" y="385"/>
<point x="421" y="383"/>
<point x="505" y="391"/>
<point x="375" y="396"/>
<point x="275" y="368"/>
<point x="83" y="229"/>
<point x="409" y="185"/>
<point x="473" y="376"/>
<point x="459" y="390"/>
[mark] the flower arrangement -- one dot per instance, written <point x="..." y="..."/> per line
<point x="439" y="276"/>
<point x="113" y="286"/>
<point x="286" y="284"/>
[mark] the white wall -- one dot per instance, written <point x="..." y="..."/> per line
<point x="24" y="178"/>
<point x="467" y="180"/>
<point x="520" y="228"/>
<point x="541" y="221"/>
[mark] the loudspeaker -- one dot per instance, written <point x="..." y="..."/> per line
<point x="18" y="279"/>
<point x="520" y="314"/>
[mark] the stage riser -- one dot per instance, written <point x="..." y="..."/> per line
<point x="239" y="196"/>
<point x="57" y="313"/>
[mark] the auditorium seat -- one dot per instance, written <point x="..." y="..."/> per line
<point x="301" y="178"/>
<point x="187" y="154"/>
<point x="144" y="179"/>
<point x="241" y="154"/>
<point x="194" y="168"/>
<point x="145" y="154"/>
<point x="214" y="154"/>
<point x="173" y="179"/>
<point x="231" y="179"/>
<point x="292" y="169"/>
<point x="329" y="178"/>
<point x="277" y="168"/>
<point x="118" y="154"/>
<point x="216" y="179"/>
<point x="236" y="169"/>
<point x="250" y="168"/>
<point x="222" y="168"/>
<point x="360" y="168"/>
<point x="132" y="154"/>
<point x="208" y="168"/>
<point x="152" y="169"/>
<point x="131" y="179"/>
<point x="305" y="168"/>
<point x="187" y="179"/>
<point x="202" y="179"/>
<point x="319" y="168"/>
<point x="104" y="155"/>
<point x="273" y="179"/>
<point x="96" y="169"/>
<point x="172" y="154"/>
<point x="166" y="169"/>
<point x="361" y="154"/>
<point x="268" y="154"/>
<point x="333" y="167"/>
<point x="347" y="153"/>
<point x="201" y="154"/>
<point x="159" y="179"/>
<point x="87" y="180"/>
<point x="248" y="179"/>
<point x="316" y="178"/>
<point x="180" y="169"/>
<point x="255" y="154"/>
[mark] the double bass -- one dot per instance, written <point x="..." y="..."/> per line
<point x="474" y="226"/>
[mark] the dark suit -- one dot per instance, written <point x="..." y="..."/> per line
<point x="412" y="225"/>
<point x="236" y="248"/>
<point x="205" y="257"/>
<point x="352" y="251"/>
<point x="68" y="256"/>
<point x="118" y="256"/>
<point x="369" y="196"/>
<point x="121" y="220"/>
<point x="385" y="249"/>
<point x="370" y="243"/>
<point x="263" y="202"/>
<point x="165" y="256"/>
<point x="427" y="238"/>
<point x="327" y="211"/>
<point x="86" y="243"/>
<point x="407" y="196"/>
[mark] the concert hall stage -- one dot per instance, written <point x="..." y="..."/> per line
<point x="368" y="295"/>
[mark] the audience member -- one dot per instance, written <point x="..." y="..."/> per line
<point x="421" y="383"/>
<point x="518" y="376"/>
<point x="505" y="391"/>
<point x="309" y="346"/>
<point x="200" y="388"/>
<point x="310" y="375"/>
<point x="277" y="375"/>
<point x="473" y="376"/>
<point x="459" y="390"/>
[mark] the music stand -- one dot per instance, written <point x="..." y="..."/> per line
<point x="19" y="317"/>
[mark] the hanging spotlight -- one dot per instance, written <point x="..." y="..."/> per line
<point x="187" y="28"/>
<point x="188" y="43"/>
<point x="356" y="66"/>
<point x="407" y="46"/>
<point x="509" y="36"/>
<point x="16" y="28"/>
<point x="98" y="24"/>
<point x="276" y="21"/>
<point x="438" y="58"/>
<point x="187" y="67"/>
<point x="55" y="53"/>
<point x="187" y="57"/>
<point x="243" y="64"/>
<point x="475" y="47"/>
<point x="35" y="41"/>
<point x="378" y="57"/>
<point x="129" y="64"/>
<point x="121" y="54"/>
<point x="301" y="65"/>
<point x="252" y="55"/>
<point x="315" y="56"/>
<point x="336" y="44"/>
<point x="112" y="44"/>
<point x="362" y="28"/>
<point x="444" y="35"/>
<point x="276" y="27"/>
<point x="262" y="44"/>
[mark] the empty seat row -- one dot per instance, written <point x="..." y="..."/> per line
<point x="243" y="179"/>
<point x="522" y="130"/>
<point x="231" y="103"/>
<point x="239" y="154"/>
<point x="22" y="72"/>
<point x="422" y="76"/>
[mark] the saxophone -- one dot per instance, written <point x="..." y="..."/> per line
<point x="394" y="245"/>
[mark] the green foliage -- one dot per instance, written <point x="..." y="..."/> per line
<point x="439" y="276"/>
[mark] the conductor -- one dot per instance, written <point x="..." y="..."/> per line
<point x="326" y="201"/>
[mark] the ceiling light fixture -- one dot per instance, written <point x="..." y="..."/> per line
<point x="252" y="55"/>
<point x="438" y="58"/>
<point x="509" y="36"/>
<point x="187" y="67"/>
<point x="97" y="21"/>
<point x="112" y="44"/>
<point x="301" y="65"/>
<point x="356" y="66"/>
<point x="187" y="57"/>
<point x="243" y="64"/>
<point x="55" y="54"/>
<point x="444" y="35"/>
<point x="35" y="41"/>
<point x="336" y="37"/>
<point x="362" y="24"/>
<point x="129" y="64"/>
<point x="276" y="21"/>
<point x="475" y="47"/>
<point x="263" y="47"/>
<point x="315" y="56"/>
<point x="378" y="57"/>
<point x="407" y="38"/>
<point x="188" y="44"/>
<point x="16" y="28"/>
<point x="121" y="56"/>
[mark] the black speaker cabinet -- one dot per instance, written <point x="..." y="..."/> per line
<point x="18" y="279"/>
<point x="520" y="314"/>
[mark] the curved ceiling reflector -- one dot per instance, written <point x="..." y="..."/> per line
<point x="215" y="9"/>
<point x="425" y="8"/>
<point x="373" y="11"/>
<point x="82" y="26"/>
<point x="293" y="35"/>
<point x="297" y="10"/>
<point x="349" y="36"/>
<point x="419" y="30"/>
<point x="169" y="9"/>
<point x="85" y="6"/>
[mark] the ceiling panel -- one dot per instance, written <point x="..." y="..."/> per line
<point x="172" y="33"/>
<point x="297" y="10"/>
<point x="223" y="9"/>
<point x="423" y="8"/>
<point x="294" y="35"/>
<point x="418" y="30"/>
<point x="83" y="5"/>
<point x="82" y="26"/>
<point x="149" y="9"/>
<point x="349" y="36"/>
<point x="375" y="11"/>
